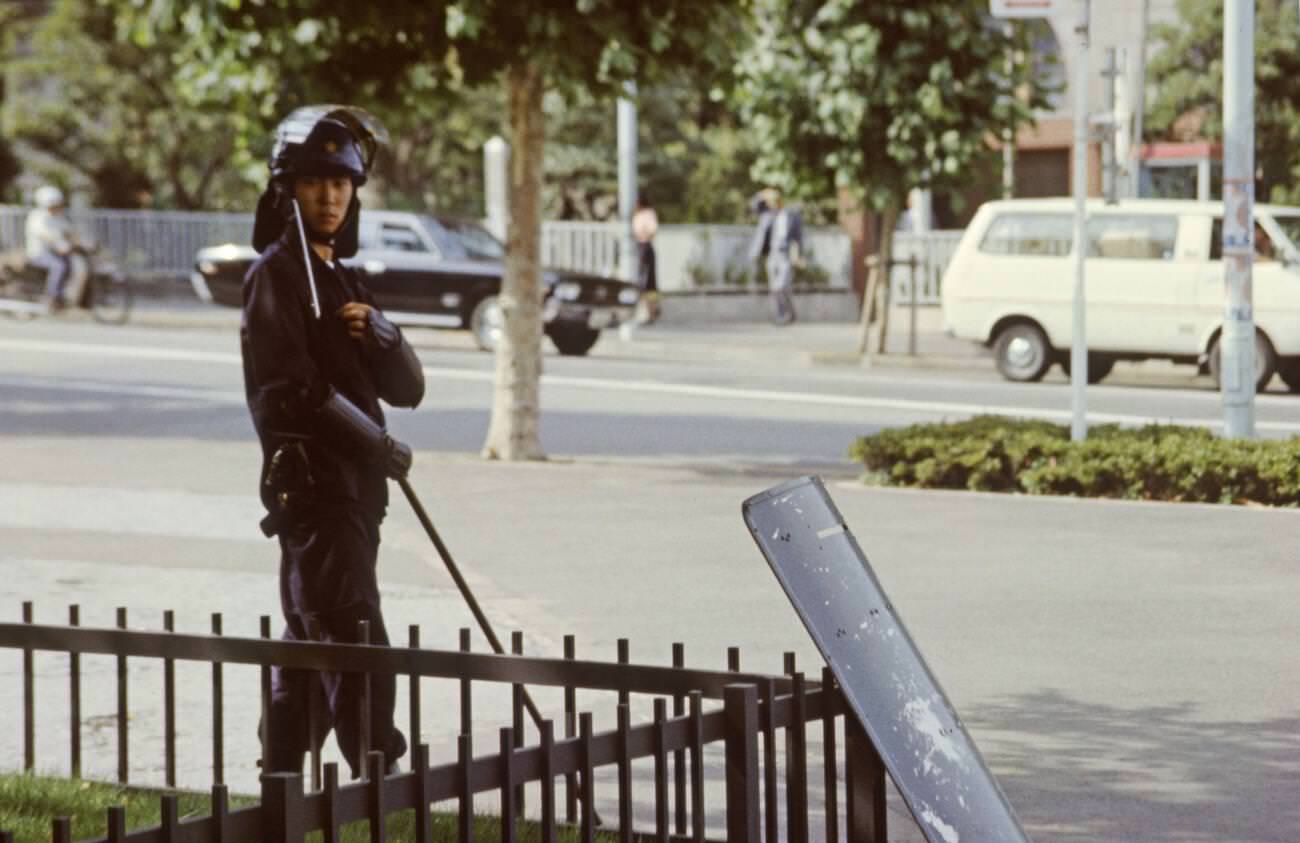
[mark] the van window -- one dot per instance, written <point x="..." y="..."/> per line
<point x="1264" y="251"/>
<point x="1135" y="237"/>
<point x="1029" y="234"/>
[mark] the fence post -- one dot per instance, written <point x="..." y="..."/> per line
<point x="123" y="765"/>
<point x="911" y="322"/>
<point x="282" y="808"/>
<point x="741" y="708"/>
<point x="29" y="698"/>
<point x="864" y="775"/>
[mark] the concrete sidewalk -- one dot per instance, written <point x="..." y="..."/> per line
<point x="1128" y="670"/>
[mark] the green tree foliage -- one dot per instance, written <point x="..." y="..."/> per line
<point x="873" y="99"/>
<point x="1186" y="74"/>
<point x="878" y="98"/>
<point x="406" y="54"/>
<point x="98" y="109"/>
<point x="693" y="158"/>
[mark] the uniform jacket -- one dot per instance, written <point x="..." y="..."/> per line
<point x="291" y="362"/>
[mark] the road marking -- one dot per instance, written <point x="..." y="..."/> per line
<point x="943" y="408"/>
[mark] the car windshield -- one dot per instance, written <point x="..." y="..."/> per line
<point x="464" y="240"/>
<point x="1290" y="225"/>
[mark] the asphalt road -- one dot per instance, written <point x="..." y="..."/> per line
<point x="79" y="379"/>
<point x="1128" y="670"/>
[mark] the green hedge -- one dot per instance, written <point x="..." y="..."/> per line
<point x="1158" y="462"/>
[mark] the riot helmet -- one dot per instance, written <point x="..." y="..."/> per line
<point x="318" y="140"/>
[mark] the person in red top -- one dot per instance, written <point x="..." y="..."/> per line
<point x="645" y="224"/>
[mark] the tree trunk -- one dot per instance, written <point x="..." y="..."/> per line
<point x="877" y="279"/>
<point x="516" y="405"/>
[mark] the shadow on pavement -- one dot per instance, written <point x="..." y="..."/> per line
<point x="1078" y="771"/>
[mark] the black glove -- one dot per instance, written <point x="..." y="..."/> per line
<point x="383" y="334"/>
<point x="397" y="458"/>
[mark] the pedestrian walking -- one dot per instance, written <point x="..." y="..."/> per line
<point x="645" y="224"/>
<point x="778" y="239"/>
<point x="318" y="356"/>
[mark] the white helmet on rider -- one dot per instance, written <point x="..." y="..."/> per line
<point x="48" y="197"/>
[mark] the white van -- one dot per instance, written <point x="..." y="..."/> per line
<point x="1154" y="285"/>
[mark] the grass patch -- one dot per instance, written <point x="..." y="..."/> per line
<point x="29" y="804"/>
<point x="1157" y="462"/>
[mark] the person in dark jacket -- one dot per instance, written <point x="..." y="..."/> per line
<point x="318" y="357"/>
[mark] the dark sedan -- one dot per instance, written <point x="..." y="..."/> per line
<point x="444" y="273"/>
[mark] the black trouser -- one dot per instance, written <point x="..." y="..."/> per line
<point x="327" y="586"/>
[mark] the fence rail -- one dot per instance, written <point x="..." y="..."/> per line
<point x="757" y="709"/>
<point x="162" y="245"/>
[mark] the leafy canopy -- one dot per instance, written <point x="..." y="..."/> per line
<point x="878" y="98"/>
<point x="1186" y="74"/>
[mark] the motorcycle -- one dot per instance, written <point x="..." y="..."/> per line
<point x="95" y="284"/>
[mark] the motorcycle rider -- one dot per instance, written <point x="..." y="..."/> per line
<point x="50" y="242"/>
<point x="318" y="356"/>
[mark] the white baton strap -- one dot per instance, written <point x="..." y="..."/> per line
<point x="306" y="259"/>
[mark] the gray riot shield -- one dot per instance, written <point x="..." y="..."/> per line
<point x="932" y="760"/>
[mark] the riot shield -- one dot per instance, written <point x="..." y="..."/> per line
<point x="932" y="760"/>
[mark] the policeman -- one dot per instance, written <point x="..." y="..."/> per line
<point x="318" y="356"/>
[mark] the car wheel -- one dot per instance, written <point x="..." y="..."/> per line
<point x="1098" y="367"/>
<point x="1289" y="369"/>
<point x="1022" y="352"/>
<point x="1265" y="362"/>
<point x="573" y="340"/>
<point x="487" y="322"/>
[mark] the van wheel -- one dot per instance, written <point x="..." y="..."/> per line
<point x="1022" y="352"/>
<point x="1098" y="367"/>
<point x="1265" y="362"/>
<point x="1289" y="369"/>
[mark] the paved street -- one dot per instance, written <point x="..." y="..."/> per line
<point x="1128" y="670"/>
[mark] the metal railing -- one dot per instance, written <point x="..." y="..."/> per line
<point x="761" y="728"/>
<point x="162" y="244"/>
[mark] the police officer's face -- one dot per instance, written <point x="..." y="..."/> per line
<point x="324" y="201"/>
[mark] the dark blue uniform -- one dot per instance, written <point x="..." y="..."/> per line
<point x="324" y="495"/>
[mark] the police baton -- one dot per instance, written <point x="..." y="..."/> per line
<point x="484" y="624"/>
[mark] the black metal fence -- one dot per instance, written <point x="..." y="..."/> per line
<point x="761" y="726"/>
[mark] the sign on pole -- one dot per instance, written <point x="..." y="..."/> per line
<point x="1029" y="8"/>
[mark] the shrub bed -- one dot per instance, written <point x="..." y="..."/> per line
<point x="1158" y="462"/>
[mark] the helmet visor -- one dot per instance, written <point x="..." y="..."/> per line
<point x="370" y="134"/>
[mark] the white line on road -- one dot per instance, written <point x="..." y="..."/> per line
<point x="943" y="408"/>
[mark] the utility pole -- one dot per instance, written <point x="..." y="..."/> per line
<point x="1109" y="126"/>
<point x="627" y="183"/>
<point x="496" y="185"/>
<point x="1139" y="104"/>
<point x="1078" y="338"/>
<point x="1237" y="341"/>
<point x="1008" y="136"/>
